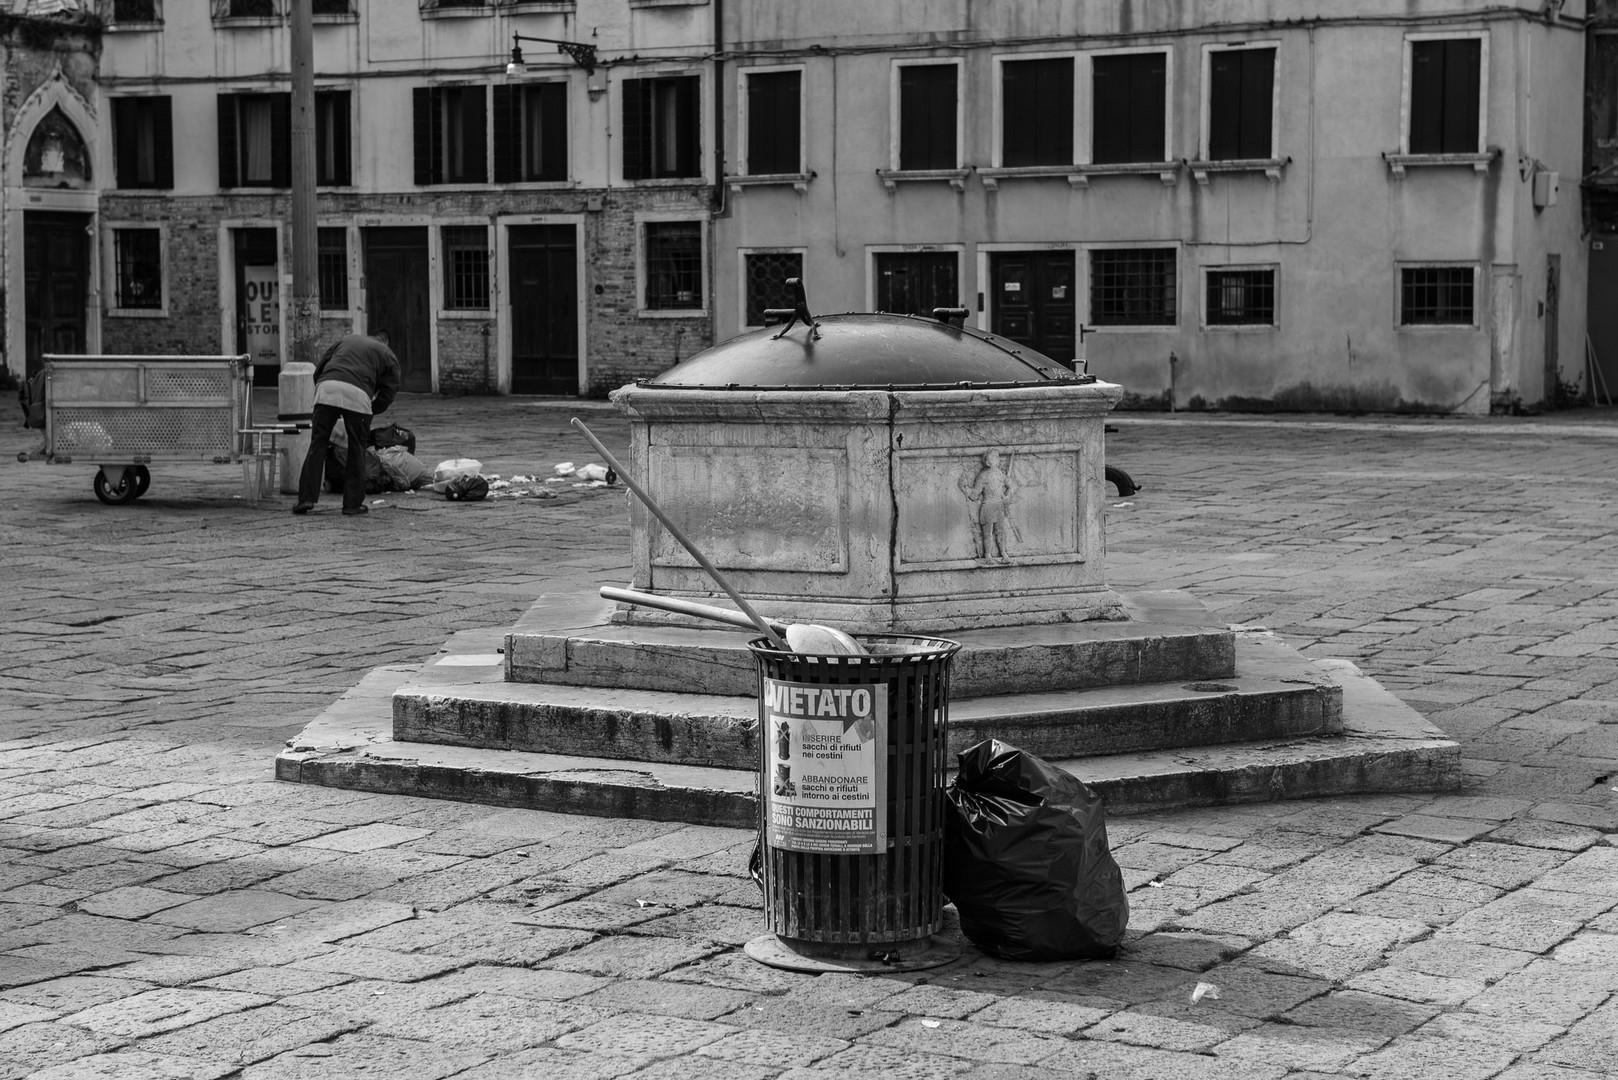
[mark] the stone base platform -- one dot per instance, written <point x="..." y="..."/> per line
<point x="1360" y="739"/>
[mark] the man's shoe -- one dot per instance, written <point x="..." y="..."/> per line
<point x="350" y="511"/>
<point x="303" y="508"/>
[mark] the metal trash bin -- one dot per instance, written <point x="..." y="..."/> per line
<point x="852" y="764"/>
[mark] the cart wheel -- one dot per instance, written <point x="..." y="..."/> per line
<point x="143" y="480"/>
<point x="123" y="491"/>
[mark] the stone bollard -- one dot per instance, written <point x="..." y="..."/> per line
<point x="297" y="390"/>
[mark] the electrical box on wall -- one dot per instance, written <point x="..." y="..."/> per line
<point x="1547" y="186"/>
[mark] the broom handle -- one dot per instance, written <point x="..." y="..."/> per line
<point x="758" y="621"/>
<point x="685" y="607"/>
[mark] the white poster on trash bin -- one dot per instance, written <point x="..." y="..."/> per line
<point x="826" y="788"/>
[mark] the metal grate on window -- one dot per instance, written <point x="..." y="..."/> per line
<point x="466" y="267"/>
<point x="1241" y="297"/>
<point x="1132" y="287"/>
<point x="766" y="275"/>
<point x="138" y="255"/>
<point x="332" y="269"/>
<point x="1436" y="296"/>
<point x="673" y="265"/>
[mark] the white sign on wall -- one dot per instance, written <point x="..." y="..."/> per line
<point x="261" y="287"/>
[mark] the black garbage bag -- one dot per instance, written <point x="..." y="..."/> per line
<point x="393" y="435"/>
<point x="376" y="477"/>
<point x="1026" y="861"/>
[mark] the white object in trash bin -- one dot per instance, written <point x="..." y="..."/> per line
<point x="449" y="470"/>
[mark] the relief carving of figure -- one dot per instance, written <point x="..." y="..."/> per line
<point x="991" y="492"/>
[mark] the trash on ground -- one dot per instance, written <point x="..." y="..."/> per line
<point x="601" y="475"/>
<point x="466" y="488"/>
<point x="931" y="1023"/>
<point x="1203" y="990"/>
<point x="448" y="470"/>
<point x="564" y="468"/>
<point x="1026" y="860"/>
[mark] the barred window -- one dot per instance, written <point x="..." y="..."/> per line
<point x="1436" y="296"/>
<point x="673" y="265"/>
<point x="138" y="256"/>
<point x="766" y="274"/>
<point x="466" y="267"/>
<point x="333" y="269"/>
<point x="1241" y="297"/>
<point x="1132" y="287"/>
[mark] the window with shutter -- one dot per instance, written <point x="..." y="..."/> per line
<point x="530" y="132"/>
<point x="1241" y="85"/>
<point x="773" y="123"/>
<point x="1037" y="112"/>
<point x="255" y="140"/>
<point x="333" y="152"/>
<point x="661" y="128"/>
<point x="928" y="100"/>
<point x="143" y="142"/>
<point x="1445" y="84"/>
<point x="1129" y="95"/>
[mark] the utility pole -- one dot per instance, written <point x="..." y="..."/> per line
<point x="296" y="384"/>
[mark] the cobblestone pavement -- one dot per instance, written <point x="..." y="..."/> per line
<point x="167" y="910"/>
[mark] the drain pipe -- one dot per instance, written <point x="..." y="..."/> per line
<point x="1174" y="369"/>
<point x="718" y="13"/>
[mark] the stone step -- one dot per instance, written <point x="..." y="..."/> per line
<point x="1166" y="639"/>
<point x="1275" y="694"/>
<point x="1384" y="746"/>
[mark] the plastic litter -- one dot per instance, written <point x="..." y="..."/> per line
<point x="1208" y="990"/>
<point x="564" y="468"/>
<point x="1026" y="860"/>
<point x="932" y="1023"/>
<point x="449" y="470"/>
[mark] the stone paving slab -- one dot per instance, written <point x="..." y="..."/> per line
<point x="1348" y="937"/>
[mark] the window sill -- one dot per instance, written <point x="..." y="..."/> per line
<point x="538" y="185"/>
<point x="1240" y="328"/>
<point x="799" y="181"/>
<point x="135" y="26"/>
<point x="672" y="313"/>
<point x="892" y="178"/>
<point x="246" y="22"/>
<point x="470" y="314"/>
<point x="1079" y="175"/>
<point x="1270" y="167"/>
<point x="1398" y="163"/>
<point x="540" y="7"/>
<point x="337" y="19"/>
<point x="1133" y="328"/>
<point x="1427" y="328"/>
<point x="458" y="12"/>
<point x="667" y="3"/>
<point x="138" y="313"/>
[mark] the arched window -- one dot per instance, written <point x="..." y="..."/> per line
<point x="56" y="156"/>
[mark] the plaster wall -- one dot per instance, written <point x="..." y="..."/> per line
<point x="1337" y="221"/>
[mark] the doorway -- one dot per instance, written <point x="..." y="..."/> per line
<point x="544" y="310"/>
<point x="56" y="263"/>
<point x="258" y="303"/>
<point x="1034" y="301"/>
<point x="396" y="299"/>
<point x="915" y="282"/>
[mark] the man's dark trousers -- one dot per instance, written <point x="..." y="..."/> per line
<point x="358" y="426"/>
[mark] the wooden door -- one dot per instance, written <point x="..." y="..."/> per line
<point x="1603" y="318"/>
<point x="915" y="282"/>
<point x="544" y="310"/>
<point x="56" y="261"/>
<point x="396" y="294"/>
<point x="1034" y="301"/>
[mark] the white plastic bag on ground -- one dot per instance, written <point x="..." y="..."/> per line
<point x="449" y="470"/>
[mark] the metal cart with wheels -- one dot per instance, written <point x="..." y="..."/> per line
<point x="124" y="413"/>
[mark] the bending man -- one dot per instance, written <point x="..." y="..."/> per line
<point x="357" y="378"/>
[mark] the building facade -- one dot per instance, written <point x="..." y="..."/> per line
<point x="539" y="227"/>
<point x="1313" y="205"/>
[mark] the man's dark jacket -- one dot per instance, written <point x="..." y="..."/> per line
<point x="363" y="362"/>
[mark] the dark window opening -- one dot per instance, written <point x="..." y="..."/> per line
<point x="927" y="109"/>
<point x="143" y="142"/>
<point x="247" y="9"/>
<point x="765" y="275"/>
<point x="1436" y="296"/>
<point x="1037" y="112"/>
<point x="673" y="265"/>
<point x="255" y="140"/>
<point x="138" y="256"/>
<point x="1240" y="94"/>
<point x="1129" y="108"/>
<point x="772" y="123"/>
<point x="661" y="128"/>
<point x="333" y="153"/>
<point x="915" y="282"/>
<point x="1444" y="88"/>
<point x="1241" y="297"/>
<point x="466" y="267"/>
<point x="333" y="7"/>
<point x="450" y="139"/>
<point x="134" y="11"/>
<point x="530" y="132"/>
<point x="1132" y="287"/>
<point x="332" y="269"/>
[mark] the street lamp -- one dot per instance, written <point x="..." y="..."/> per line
<point x="580" y="53"/>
